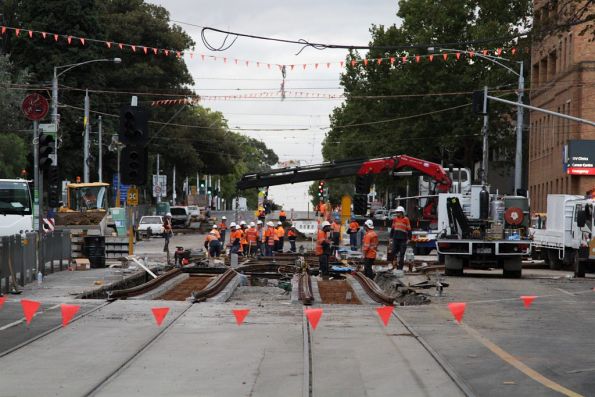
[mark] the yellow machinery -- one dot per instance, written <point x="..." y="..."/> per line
<point x="86" y="206"/>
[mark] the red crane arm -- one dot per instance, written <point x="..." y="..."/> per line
<point x="435" y="171"/>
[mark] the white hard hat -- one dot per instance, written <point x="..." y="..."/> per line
<point x="168" y="214"/>
<point x="252" y="224"/>
<point x="269" y="223"/>
<point x="213" y="233"/>
<point x="214" y="226"/>
<point x="223" y="218"/>
<point x="242" y="223"/>
<point x="400" y="209"/>
<point x="369" y="224"/>
<point x="279" y="223"/>
<point x="233" y="224"/>
<point x="325" y="224"/>
<point x="259" y="222"/>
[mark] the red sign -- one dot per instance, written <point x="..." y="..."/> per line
<point x="580" y="171"/>
<point x="35" y="107"/>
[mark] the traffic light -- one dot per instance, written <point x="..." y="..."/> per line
<point x="360" y="204"/>
<point x="362" y="184"/>
<point x="321" y="189"/>
<point x="134" y="165"/>
<point x="202" y="188"/>
<point x="45" y="149"/>
<point x="54" y="188"/>
<point x="477" y="102"/>
<point x="134" y="126"/>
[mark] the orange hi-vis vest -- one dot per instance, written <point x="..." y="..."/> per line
<point x="282" y="213"/>
<point x="252" y="235"/>
<point x="354" y="226"/>
<point x="243" y="240"/>
<point x="320" y="239"/>
<point x="270" y="235"/>
<point x="217" y="234"/>
<point x="236" y="234"/>
<point x="280" y="232"/>
<point x="291" y="233"/>
<point x="222" y="226"/>
<point x="401" y="224"/>
<point x="370" y="244"/>
<point x="336" y="227"/>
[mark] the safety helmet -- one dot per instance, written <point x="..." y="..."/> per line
<point x="279" y="223"/>
<point x="369" y="224"/>
<point x="252" y="224"/>
<point x="269" y="223"/>
<point x="242" y="223"/>
<point x="213" y="233"/>
<point x="214" y="226"/>
<point x="168" y="214"/>
<point x="400" y="209"/>
<point x="233" y="224"/>
<point x="223" y="218"/>
<point x="325" y="224"/>
<point x="259" y="222"/>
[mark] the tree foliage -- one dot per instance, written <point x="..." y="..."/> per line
<point x="191" y="138"/>
<point x="425" y="122"/>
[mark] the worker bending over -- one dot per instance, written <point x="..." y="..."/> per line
<point x="370" y="247"/>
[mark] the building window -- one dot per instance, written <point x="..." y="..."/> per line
<point x="543" y="70"/>
<point x="551" y="65"/>
<point x="535" y="75"/>
<point x="563" y="53"/>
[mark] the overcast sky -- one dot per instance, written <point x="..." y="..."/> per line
<point x="330" y="21"/>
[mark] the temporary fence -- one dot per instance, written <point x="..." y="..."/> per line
<point x="21" y="256"/>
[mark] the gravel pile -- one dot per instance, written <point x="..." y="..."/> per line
<point x="259" y="294"/>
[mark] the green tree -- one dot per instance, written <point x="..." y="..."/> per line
<point x="383" y="91"/>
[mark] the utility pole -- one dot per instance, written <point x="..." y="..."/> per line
<point x="484" y="178"/>
<point x="55" y="110"/>
<point x="119" y="178"/>
<point x="100" y="160"/>
<point x="86" y="139"/>
<point x="518" y="161"/>
<point x="36" y="175"/>
<point x="158" y="181"/>
<point x="173" y="195"/>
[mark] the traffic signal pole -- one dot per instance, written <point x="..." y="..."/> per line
<point x="86" y="140"/>
<point x="486" y="148"/>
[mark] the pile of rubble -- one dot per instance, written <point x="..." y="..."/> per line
<point x="408" y="289"/>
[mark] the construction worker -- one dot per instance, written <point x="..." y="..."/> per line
<point x="280" y="237"/>
<point x="243" y="228"/>
<point x="400" y="233"/>
<point x="335" y="235"/>
<point x="167" y="231"/>
<point x="353" y="229"/>
<point x="323" y="247"/>
<point x="235" y="239"/>
<point x="223" y="228"/>
<point x="261" y="242"/>
<point x="252" y="238"/>
<point x="282" y="216"/>
<point x="292" y="236"/>
<point x="213" y="244"/>
<point x="261" y="214"/>
<point x="370" y="246"/>
<point x="270" y="236"/>
<point x="214" y="230"/>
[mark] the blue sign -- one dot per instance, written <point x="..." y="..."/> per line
<point x="123" y="189"/>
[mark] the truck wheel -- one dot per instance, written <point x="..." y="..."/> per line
<point x="553" y="261"/>
<point x="453" y="266"/>
<point x="579" y="267"/>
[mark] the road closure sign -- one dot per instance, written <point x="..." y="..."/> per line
<point x="35" y="107"/>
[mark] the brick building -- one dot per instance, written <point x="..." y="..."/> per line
<point x="562" y="80"/>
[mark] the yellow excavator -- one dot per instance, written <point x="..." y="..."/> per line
<point x="85" y="208"/>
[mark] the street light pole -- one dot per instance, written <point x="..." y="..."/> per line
<point x="518" y="161"/>
<point x="100" y="159"/>
<point x="86" y="139"/>
<point x="486" y="149"/>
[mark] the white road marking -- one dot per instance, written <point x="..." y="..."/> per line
<point x="7" y="326"/>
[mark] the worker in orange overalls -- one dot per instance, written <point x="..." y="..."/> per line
<point x="213" y="244"/>
<point x="270" y="236"/>
<point x="216" y="232"/>
<point x="323" y="247"/>
<point x="244" y="241"/>
<point x="400" y="233"/>
<point x="335" y="235"/>
<point x="292" y="236"/>
<point x="252" y="238"/>
<point x="223" y="228"/>
<point x="369" y="248"/>
<point x="235" y="239"/>
<point x="353" y="229"/>
<point x="280" y="237"/>
<point x="282" y="216"/>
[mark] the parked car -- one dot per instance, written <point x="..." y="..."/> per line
<point x="180" y="217"/>
<point x="150" y="225"/>
<point x="392" y="214"/>
<point x="380" y="215"/>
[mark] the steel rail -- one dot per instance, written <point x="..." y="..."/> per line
<point x="143" y="288"/>
<point x="305" y="289"/>
<point x="372" y="289"/>
<point x="215" y="288"/>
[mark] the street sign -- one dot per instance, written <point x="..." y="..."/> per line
<point x="35" y="107"/>
<point x="132" y="196"/>
<point x="161" y="187"/>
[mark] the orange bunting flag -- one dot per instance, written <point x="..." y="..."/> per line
<point x="82" y="40"/>
<point x="471" y="54"/>
<point x="485" y="52"/>
<point x="304" y="66"/>
<point x="121" y="46"/>
<point x="69" y="39"/>
<point x="431" y="57"/>
<point x="3" y="29"/>
<point x="458" y="310"/>
<point x="384" y="313"/>
<point x="353" y="63"/>
<point x="159" y="313"/>
<point x="68" y="312"/>
<point x="108" y="44"/>
<point x="240" y="315"/>
<point x="313" y="316"/>
<point x="404" y="58"/>
<point x="365" y="61"/>
<point x="392" y="60"/>
<point x="44" y="34"/>
<point x="379" y="61"/>
<point x="30" y="34"/>
<point x="17" y="32"/>
<point x="499" y="51"/>
<point x="145" y="49"/>
<point x="417" y="58"/>
<point x="341" y="64"/>
<point x="166" y="52"/>
<point x="29" y="309"/>
<point x="133" y="48"/>
<point x="458" y="55"/>
<point x="55" y="37"/>
<point x="328" y="65"/>
<point x="513" y="50"/>
<point x="445" y="56"/>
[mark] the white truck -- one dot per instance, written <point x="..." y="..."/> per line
<point x="483" y="230"/>
<point x="565" y="238"/>
<point x="16" y="208"/>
